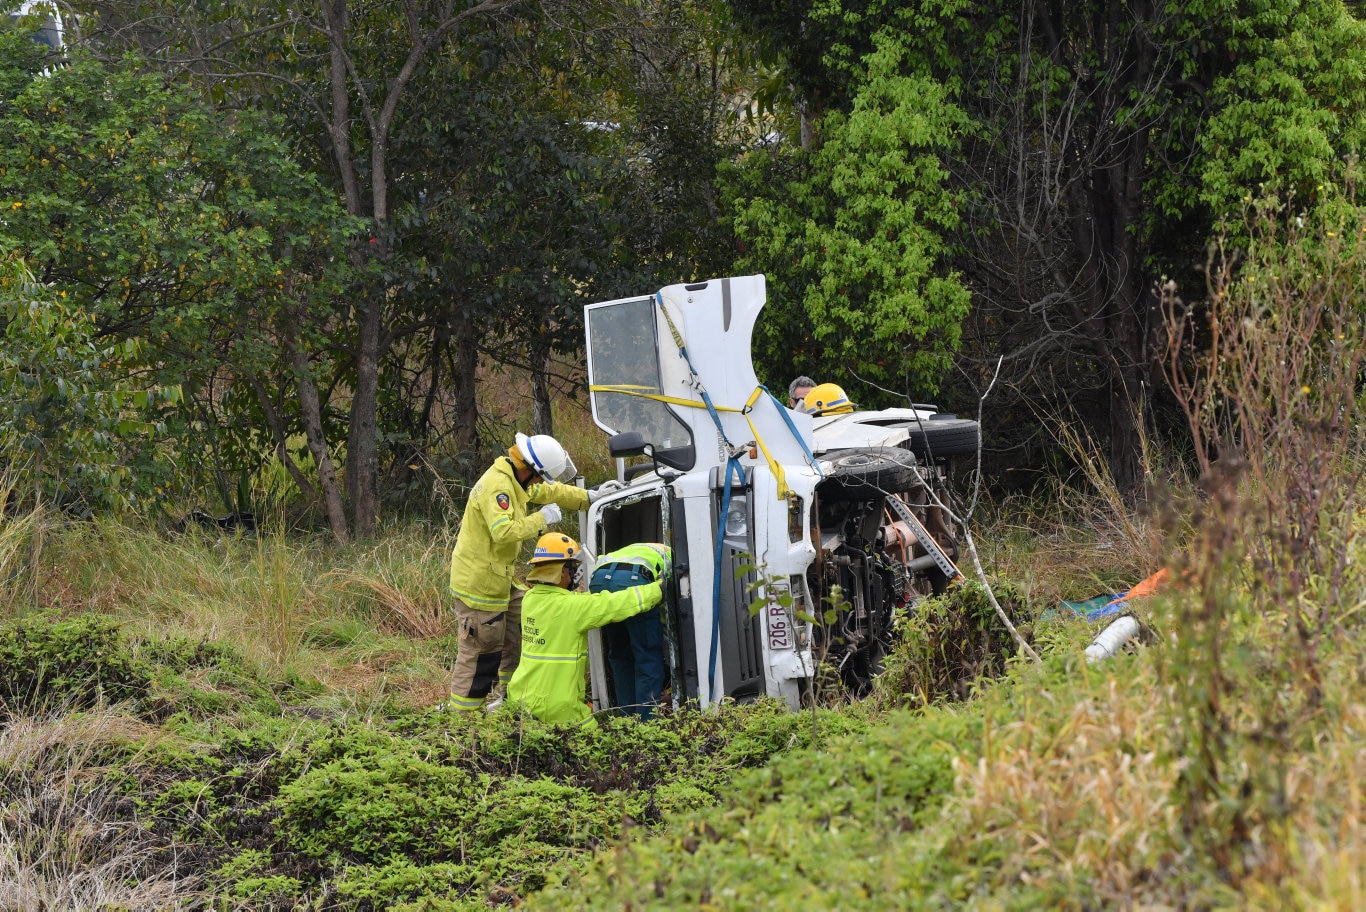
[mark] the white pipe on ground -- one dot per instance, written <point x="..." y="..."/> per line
<point x="1112" y="639"/>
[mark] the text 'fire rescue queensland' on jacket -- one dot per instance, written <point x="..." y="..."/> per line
<point x="492" y="531"/>
<point x="555" y="625"/>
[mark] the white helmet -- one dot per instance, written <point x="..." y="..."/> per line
<point x="544" y="454"/>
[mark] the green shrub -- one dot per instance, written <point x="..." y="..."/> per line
<point x="401" y="884"/>
<point x="817" y="829"/>
<point x="946" y="645"/>
<point x="49" y="665"/>
<point x="437" y="810"/>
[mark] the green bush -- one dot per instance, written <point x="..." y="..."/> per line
<point x="816" y="829"/>
<point x="435" y="810"/>
<point x="948" y="644"/>
<point x="49" y="665"/>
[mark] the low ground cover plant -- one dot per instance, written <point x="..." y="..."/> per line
<point x="236" y="788"/>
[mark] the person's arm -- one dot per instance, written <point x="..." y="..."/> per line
<point x="599" y="608"/>
<point x="570" y="497"/>
<point x="504" y="524"/>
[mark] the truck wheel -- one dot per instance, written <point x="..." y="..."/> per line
<point x="940" y="437"/>
<point x="865" y="474"/>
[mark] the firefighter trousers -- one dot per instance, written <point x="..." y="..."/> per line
<point x="490" y="646"/>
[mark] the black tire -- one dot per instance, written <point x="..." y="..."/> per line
<point x="939" y="438"/>
<point x="859" y="473"/>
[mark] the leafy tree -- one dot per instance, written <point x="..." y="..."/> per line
<point x="854" y="242"/>
<point x="1106" y="141"/>
<point x="189" y="239"/>
<point x="70" y="416"/>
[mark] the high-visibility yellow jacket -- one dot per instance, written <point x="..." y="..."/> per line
<point x="652" y="555"/>
<point x="493" y="528"/>
<point x="555" y="625"/>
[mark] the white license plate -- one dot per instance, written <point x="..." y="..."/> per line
<point x="779" y="628"/>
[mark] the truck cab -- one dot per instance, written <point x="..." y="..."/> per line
<point x="795" y="539"/>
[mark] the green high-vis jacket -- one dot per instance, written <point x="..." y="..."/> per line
<point x="555" y="625"/>
<point x="493" y="528"/>
<point x="658" y="558"/>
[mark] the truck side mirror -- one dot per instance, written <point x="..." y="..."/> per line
<point x="629" y="443"/>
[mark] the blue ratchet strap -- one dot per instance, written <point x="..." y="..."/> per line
<point x="796" y="435"/>
<point x="732" y="464"/>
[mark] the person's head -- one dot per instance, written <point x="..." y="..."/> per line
<point x="797" y="390"/>
<point x="541" y="458"/>
<point x="555" y="561"/>
<point x="827" y="399"/>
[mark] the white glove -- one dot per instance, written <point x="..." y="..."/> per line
<point x="552" y="514"/>
<point x="607" y="487"/>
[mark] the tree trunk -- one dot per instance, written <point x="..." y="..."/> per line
<point x="362" y="445"/>
<point x="542" y="419"/>
<point x="310" y="410"/>
<point x="465" y="422"/>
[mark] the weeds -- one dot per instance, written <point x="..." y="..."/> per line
<point x="947" y="645"/>
<point x="69" y="840"/>
<point x="1269" y="377"/>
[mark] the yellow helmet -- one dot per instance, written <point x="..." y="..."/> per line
<point x="553" y="551"/>
<point x="827" y="399"/>
<point x="555" y="546"/>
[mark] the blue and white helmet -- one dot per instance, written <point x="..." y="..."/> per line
<point x="544" y="454"/>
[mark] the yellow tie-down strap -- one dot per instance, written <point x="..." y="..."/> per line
<point x="643" y="392"/>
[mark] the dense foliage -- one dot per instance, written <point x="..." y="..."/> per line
<point x="173" y="242"/>
<point x="507" y="162"/>
<point x="71" y="419"/>
<point x="854" y="242"/>
<point x="1084" y="151"/>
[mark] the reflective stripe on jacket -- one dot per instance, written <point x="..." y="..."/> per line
<point x="493" y="528"/>
<point x="656" y="557"/>
<point x="555" y="625"/>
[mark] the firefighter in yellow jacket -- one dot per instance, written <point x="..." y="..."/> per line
<point x="555" y="624"/>
<point x="496" y="522"/>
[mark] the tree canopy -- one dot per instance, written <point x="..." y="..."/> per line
<point x="1101" y="146"/>
<point x="166" y="230"/>
<point x="317" y="221"/>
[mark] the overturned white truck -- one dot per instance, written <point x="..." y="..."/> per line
<point x="795" y="539"/>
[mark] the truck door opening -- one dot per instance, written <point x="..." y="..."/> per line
<point x="643" y="520"/>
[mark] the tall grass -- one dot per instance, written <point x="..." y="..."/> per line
<point x="68" y="841"/>
<point x="404" y="589"/>
<point x="278" y="601"/>
<point x="21" y="547"/>
<point x="364" y="619"/>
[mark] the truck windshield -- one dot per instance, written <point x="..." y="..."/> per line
<point x="623" y="352"/>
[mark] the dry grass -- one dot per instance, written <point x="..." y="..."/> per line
<point x="21" y="545"/>
<point x="1050" y="554"/>
<point x="1074" y="800"/>
<point x="405" y="592"/>
<point x="66" y="843"/>
<point x="365" y="620"/>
